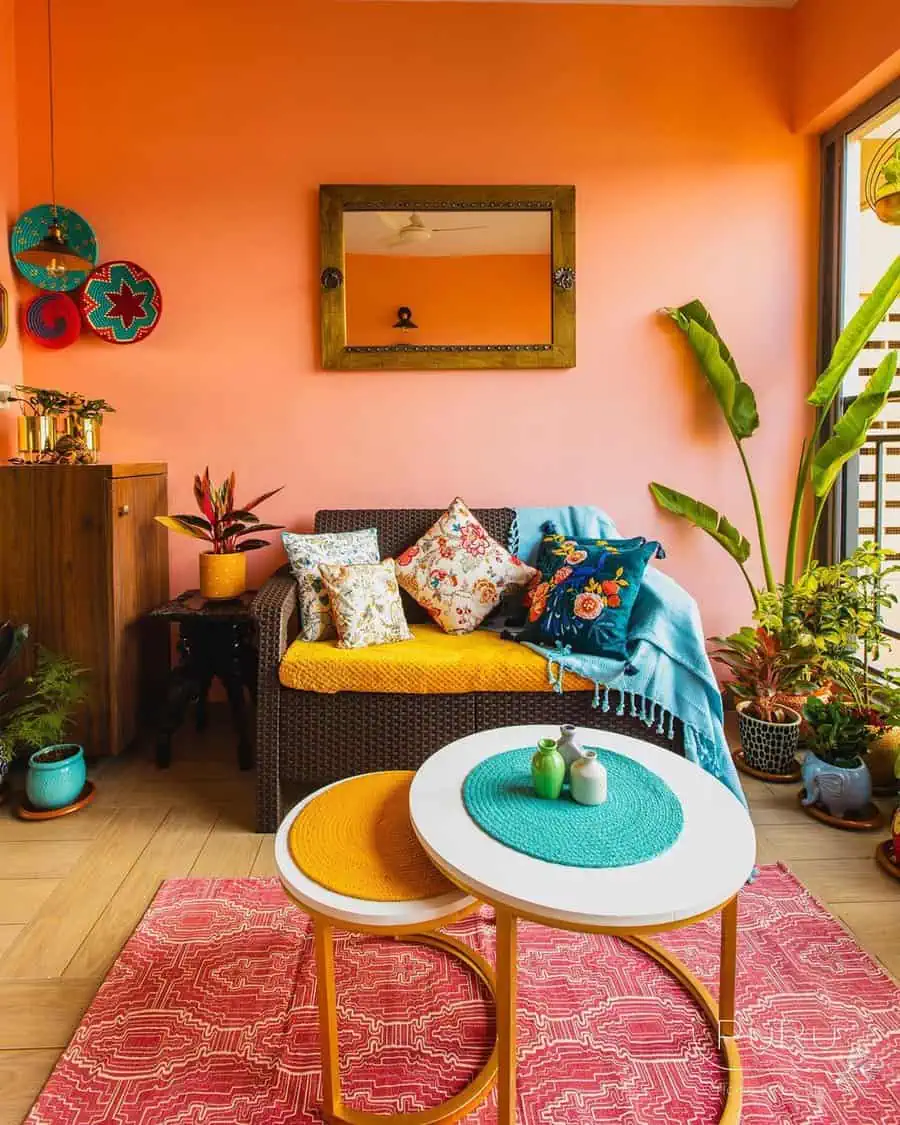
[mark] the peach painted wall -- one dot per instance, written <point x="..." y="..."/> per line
<point x="196" y="145"/>
<point x="845" y="51"/>
<point x="10" y="354"/>
<point x="478" y="299"/>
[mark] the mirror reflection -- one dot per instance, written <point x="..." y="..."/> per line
<point x="448" y="278"/>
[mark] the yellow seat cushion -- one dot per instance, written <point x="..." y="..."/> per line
<point x="432" y="663"/>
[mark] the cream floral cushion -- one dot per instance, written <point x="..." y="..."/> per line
<point x="365" y="603"/>
<point x="305" y="554"/>
<point x="457" y="572"/>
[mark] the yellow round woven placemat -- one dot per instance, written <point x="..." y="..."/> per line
<point x="356" y="838"/>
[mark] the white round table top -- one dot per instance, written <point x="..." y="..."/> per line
<point x="355" y="911"/>
<point x="705" y="867"/>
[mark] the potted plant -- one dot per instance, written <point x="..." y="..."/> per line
<point x="229" y="528"/>
<point x="12" y="640"/>
<point x="84" y="417"/>
<point x="56" y="769"/>
<point x="761" y="667"/>
<point x="39" y="423"/>
<point x="887" y="189"/>
<point x="834" y="773"/>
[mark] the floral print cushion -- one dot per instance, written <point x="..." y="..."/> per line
<point x="305" y="554"/>
<point x="585" y="593"/>
<point x="457" y="572"/>
<point x="365" y="604"/>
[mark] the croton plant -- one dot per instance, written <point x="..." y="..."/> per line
<point x="227" y="527"/>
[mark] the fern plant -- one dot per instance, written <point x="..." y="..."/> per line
<point x="55" y="689"/>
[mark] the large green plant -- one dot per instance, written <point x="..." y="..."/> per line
<point x="820" y="461"/>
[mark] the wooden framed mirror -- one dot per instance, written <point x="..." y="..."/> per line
<point x="427" y="277"/>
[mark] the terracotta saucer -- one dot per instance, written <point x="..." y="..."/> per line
<point x="27" y="811"/>
<point x="776" y="778"/>
<point x="883" y="854"/>
<point x="870" y="817"/>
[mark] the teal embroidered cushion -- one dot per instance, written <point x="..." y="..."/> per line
<point x="586" y="592"/>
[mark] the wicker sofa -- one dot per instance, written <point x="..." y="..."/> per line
<point x="312" y="739"/>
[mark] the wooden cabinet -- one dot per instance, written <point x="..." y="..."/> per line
<point x="81" y="561"/>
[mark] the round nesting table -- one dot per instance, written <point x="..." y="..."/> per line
<point x="411" y="919"/>
<point x="701" y="874"/>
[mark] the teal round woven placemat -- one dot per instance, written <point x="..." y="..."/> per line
<point x="641" y="818"/>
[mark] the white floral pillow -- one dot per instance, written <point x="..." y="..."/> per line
<point x="365" y="603"/>
<point x="457" y="572"/>
<point x="305" y="554"/>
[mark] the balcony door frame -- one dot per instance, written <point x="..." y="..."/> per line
<point x="840" y="525"/>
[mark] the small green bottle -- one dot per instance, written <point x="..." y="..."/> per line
<point x="548" y="770"/>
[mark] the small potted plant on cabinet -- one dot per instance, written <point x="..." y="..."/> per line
<point x="835" y="777"/>
<point x="232" y="531"/>
<point x="56" y="769"/>
<point x="761" y="668"/>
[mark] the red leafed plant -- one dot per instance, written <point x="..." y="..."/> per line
<point x="222" y="524"/>
<point x="762" y="667"/>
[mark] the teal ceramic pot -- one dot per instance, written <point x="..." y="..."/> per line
<point x="548" y="770"/>
<point x="840" y="789"/>
<point x="56" y="776"/>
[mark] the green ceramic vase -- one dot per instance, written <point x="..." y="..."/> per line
<point x="548" y="770"/>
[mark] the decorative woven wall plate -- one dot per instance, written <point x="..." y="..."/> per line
<point x="32" y="226"/>
<point x="121" y="302"/>
<point x="52" y="320"/>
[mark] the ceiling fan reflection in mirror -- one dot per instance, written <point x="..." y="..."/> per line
<point x="411" y="229"/>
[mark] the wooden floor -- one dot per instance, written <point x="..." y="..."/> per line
<point x="72" y="890"/>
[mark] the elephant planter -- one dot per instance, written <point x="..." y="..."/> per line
<point x="838" y="789"/>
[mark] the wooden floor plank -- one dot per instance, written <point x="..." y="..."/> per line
<point x="20" y="899"/>
<point x="45" y="947"/>
<point x="228" y="852"/>
<point x="40" y="859"/>
<point x="22" y="1075"/>
<point x="264" y="865"/>
<point x="877" y="926"/>
<point x="40" y="1014"/>
<point x="806" y="839"/>
<point x="8" y="934"/>
<point x="171" y="852"/>
<point x="834" y="881"/>
<point x="83" y="825"/>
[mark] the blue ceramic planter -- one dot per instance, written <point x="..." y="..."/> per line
<point x="53" y="785"/>
<point x="841" y="790"/>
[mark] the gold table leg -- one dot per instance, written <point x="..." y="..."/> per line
<point x="728" y="968"/>
<point x="328" y="1035"/>
<point x="506" y="1017"/>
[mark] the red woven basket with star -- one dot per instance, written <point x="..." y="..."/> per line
<point x="121" y="302"/>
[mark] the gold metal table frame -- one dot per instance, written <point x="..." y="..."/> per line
<point x="333" y="1107"/>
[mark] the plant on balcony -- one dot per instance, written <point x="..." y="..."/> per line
<point x="762" y="668"/>
<point x="821" y="457"/>
<point x="230" y="529"/>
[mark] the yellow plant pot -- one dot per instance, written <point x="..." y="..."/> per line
<point x="882" y="757"/>
<point x="223" y="576"/>
<point x="887" y="208"/>
<point x="37" y="434"/>
<point x="88" y="430"/>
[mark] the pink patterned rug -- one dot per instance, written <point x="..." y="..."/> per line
<point x="208" y="1016"/>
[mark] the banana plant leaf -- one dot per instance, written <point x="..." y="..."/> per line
<point x="172" y="523"/>
<point x="849" y="433"/>
<point x="734" y="396"/>
<point x="704" y="517"/>
<point x="856" y="335"/>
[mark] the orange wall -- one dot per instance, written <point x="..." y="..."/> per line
<point x="479" y="299"/>
<point x="10" y="355"/>
<point x="845" y="51"/>
<point x="195" y="144"/>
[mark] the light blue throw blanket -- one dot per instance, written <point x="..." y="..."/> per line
<point x="671" y="675"/>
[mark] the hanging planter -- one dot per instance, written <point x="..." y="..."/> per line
<point x="883" y="181"/>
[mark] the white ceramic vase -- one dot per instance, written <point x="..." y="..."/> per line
<point x="569" y="746"/>
<point x="588" y="780"/>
